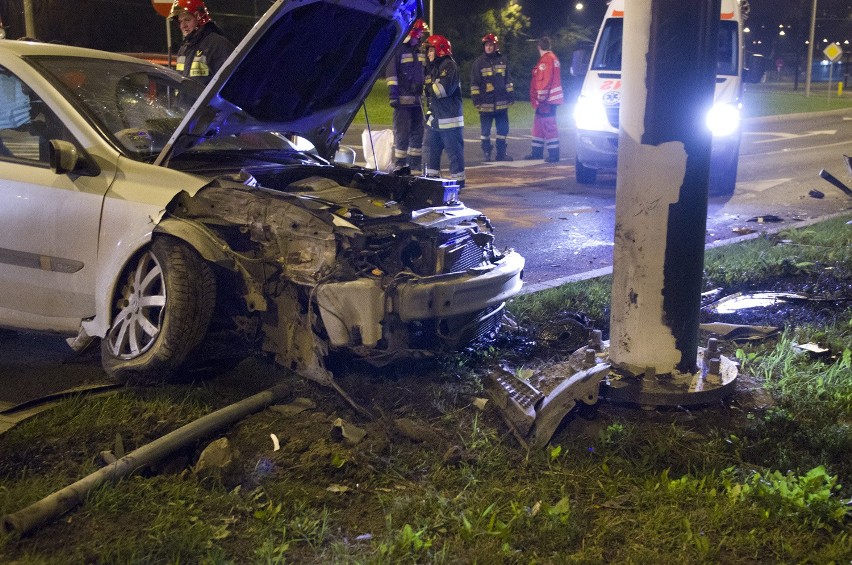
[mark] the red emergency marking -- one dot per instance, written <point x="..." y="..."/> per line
<point x="727" y="16"/>
<point x="618" y="13"/>
<point x="611" y="85"/>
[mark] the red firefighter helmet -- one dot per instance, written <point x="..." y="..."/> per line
<point x="490" y="37"/>
<point x="193" y="7"/>
<point x="418" y="28"/>
<point x="441" y="44"/>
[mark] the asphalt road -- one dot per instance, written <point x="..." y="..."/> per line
<point x="563" y="229"/>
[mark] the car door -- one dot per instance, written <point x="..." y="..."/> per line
<point x="49" y="222"/>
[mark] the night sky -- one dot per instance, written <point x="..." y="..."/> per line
<point x="133" y="25"/>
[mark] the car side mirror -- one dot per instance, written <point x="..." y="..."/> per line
<point x="65" y="158"/>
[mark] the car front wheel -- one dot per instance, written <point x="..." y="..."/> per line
<point x="161" y="313"/>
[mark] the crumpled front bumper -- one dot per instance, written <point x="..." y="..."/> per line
<point x="445" y="296"/>
<point x="354" y="312"/>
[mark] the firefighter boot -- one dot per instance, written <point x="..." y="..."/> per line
<point x="552" y="156"/>
<point x="486" y="150"/>
<point x="537" y="153"/>
<point x="400" y="167"/>
<point x="416" y="165"/>
<point x="501" y="151"/>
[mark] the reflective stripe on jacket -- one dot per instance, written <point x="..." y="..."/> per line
<point x="546" y="83"/>
<point x="443" y="91"/>
<point x="203" y="53"/>
<point x="491" y="86"/>
<point x="404" y="74"/>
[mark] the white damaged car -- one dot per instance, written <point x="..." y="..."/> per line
<point x="174" y="221"/>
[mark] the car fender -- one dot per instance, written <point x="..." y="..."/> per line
<point x="216" y="250"/>
<point x="133" y="207"/>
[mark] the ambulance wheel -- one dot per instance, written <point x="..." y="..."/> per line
<point x="723" y="180"/>
<point x="584" y="174"/>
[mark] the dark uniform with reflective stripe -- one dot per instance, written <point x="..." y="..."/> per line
<point x="405" y="76"/>
<point x="492" y="92"/>
<point x="445" y="125"/>
<point x="203" y="52"/>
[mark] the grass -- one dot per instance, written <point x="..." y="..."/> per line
<point x="739" y="482"/>
<point x="766" y="99"/>
<point x="772" y="99"/>
<point x="380" y="113"/>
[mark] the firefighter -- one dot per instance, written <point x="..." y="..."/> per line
<point x="405" y="75"/>
<point x="545" y="96"/>
<point x="492" y="92"/>
<point x="205" y="48"/>
<point x="445" y="121"/>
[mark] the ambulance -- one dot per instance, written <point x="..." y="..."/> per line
<point x="597" y="108"/>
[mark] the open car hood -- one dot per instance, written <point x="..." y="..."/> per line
<point x="304" y="69"/>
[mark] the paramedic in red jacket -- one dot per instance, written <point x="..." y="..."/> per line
<point x="545" y="97"/>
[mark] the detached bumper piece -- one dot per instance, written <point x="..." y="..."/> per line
<point x="534" y="416"/>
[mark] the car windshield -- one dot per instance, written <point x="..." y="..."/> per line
<point x="608" y="53"/>
<point x="139" y="106"/>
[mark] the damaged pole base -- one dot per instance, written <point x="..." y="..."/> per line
<point x="714" y="381"/>
<point x="533" y="415"/>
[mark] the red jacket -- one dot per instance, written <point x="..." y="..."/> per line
<point x="546" y="83"/>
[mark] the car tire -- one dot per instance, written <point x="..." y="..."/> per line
<point x="723" y="179"/>
<point x="162" y="309"/>
<point x="584" y="174"/>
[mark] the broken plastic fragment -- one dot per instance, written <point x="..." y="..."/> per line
<point x="766" y="218"/>
<point x="298" y="406"/>
<point x="347" y="433"/>
<point x="275" y="444"/>
<point x="810" y="348"/>
<point x="738" y="332"/>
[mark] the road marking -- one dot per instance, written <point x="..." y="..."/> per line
<point x="519" y="164"/>
<point x="516" y="138"/>
<point x="793" y="149"/>
<point x="782" y="136"/>
<point x="761" y="185"/>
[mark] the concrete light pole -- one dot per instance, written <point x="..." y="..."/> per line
<point x="810" y="61"/>
<point x="668" y="81"/>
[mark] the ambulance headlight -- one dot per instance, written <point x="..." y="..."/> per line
<point x="723" y="119"/>
<point x="590" y="114"/>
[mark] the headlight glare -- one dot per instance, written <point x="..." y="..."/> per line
<point x="591" y="115"/>
<point x="723" y="119"/>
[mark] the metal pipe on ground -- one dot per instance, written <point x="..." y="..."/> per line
<point x="61" y="501"/>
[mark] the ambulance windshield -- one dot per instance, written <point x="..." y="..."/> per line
<point x="608" y="52"/>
